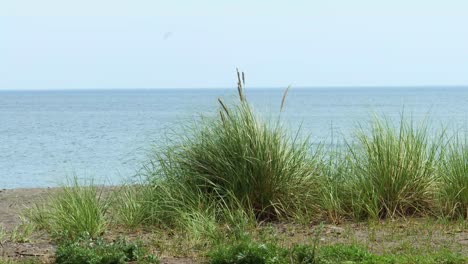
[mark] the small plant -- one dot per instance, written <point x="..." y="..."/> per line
<point x="22" y="232"/>
<point x="73" y="211"/>
<point x="303" y="254"/>
<point x="89" y="251"/>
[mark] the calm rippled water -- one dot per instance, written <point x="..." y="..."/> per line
<point x="48" y="135"/>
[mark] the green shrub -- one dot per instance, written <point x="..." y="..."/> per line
<point x="89" y="251"/>
<point x="454" y="180"/>
<point x="394" y="169"/>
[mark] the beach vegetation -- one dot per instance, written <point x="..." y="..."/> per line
<point x="394" y="169"/>
<point x="235" y="162"/>
<point x="72" y="211"/>
<point x="254" y="252"/>
<point x="454" y="179"/>
<point x="98" y="251"/>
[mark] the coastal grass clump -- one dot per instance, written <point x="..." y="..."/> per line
<point x="394" y="169"/>
<point x="234" y="161"/>
<point x="75" y="210"/>
<point x="454" y="180"/>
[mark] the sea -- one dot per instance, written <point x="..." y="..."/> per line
<point x="47" y="137"/>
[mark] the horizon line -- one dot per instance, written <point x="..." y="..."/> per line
<point x="225" y="88"/>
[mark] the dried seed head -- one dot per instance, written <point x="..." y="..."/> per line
<point x="284" y="98"/>
<point x="223" y="106"/>
<point x="239" y="86"/>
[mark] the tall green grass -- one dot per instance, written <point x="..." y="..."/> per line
<point x="337" y="186"/>
<point x="77" y="209"/>
<point x="454" y="179"/>
<point x="394" y="169"/>
<point x="129" y="205"/>
<point x="238" y="161"/>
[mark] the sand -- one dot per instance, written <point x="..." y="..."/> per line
<point x="14" y="201"/>
<point x="12" y="205"/>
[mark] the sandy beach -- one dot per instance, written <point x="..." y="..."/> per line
<point x="13" y="201"/>
<point x="12" y="204"/>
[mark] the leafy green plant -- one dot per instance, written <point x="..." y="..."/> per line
<point x="251" y="252"/>
<point x="303" y="254"/>
<point x="89" y="251"/>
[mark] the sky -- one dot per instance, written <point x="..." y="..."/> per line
<point x="198" y="44"/>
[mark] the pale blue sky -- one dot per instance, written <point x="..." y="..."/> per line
<point x="162" y="44"/>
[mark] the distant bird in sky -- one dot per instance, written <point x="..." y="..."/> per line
<point x="167" y="35"/>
